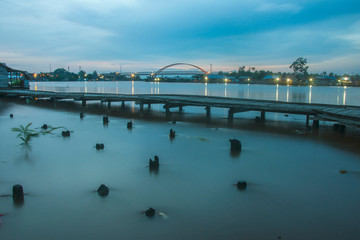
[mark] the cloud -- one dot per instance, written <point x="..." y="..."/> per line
<point x="279" y="7"/>
<point x="158" y="32"/>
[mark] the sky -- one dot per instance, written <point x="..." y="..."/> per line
<point x="146" y="35"/>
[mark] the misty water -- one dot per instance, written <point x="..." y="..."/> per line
<point x="295" y="190"/>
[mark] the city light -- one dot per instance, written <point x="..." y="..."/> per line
<point x="206" y="78"/>
<point x="277" y="79"/>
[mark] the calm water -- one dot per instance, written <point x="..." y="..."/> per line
<point x="294" y="188"/>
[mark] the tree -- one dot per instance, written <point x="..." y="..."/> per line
<point x="82" y="75"/>
<point x="299" y="67"/>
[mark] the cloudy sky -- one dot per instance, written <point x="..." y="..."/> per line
<point x="142" y="35"/>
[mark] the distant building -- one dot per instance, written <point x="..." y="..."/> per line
<point x="220" y="78"/>
<point x="4" y="76"/>
<point x="271" y="79"/>
<point x="325" y="80"/>
<point x="8" y="74"/>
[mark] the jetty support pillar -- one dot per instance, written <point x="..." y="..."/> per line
<point x="307" y="120"/>
<point x="262" y="116"/>
<point x="208" y="111"/>
<point x="123" y="105"/>
<point x="83" y="102"/>
<point x="315" y="124"/>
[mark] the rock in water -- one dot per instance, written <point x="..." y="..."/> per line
<point x="44" y="126"/>
<point x="18" y="193"/>
<point x="103" y="190"/>
<point x="150" y="212"/>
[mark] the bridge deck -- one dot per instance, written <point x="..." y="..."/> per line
<point x="347" y="115"/>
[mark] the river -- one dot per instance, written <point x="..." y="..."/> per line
<point x="294" y="191"/>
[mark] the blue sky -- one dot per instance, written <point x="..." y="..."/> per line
<point x="142" y="35"/>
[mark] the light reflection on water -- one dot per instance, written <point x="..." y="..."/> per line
<point x="294" y="188"/>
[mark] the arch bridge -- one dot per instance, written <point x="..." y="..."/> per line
<point x="176" y="64"/>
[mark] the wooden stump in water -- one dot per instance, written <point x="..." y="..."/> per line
<point x="150" y="212"/>
<point x="18" y="193"/>
<point x="129" y="125"/>
<point x="99" y="146"/>
<point x="103" y="190"/>
<point x="235" y="145"/>
<point x="241" y="185"/>
<point x="172" y="134"/>
<point x="65" y="133"/>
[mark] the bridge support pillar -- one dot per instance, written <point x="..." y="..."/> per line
<point x="207" y="111"/>
<point x="141" y="107"/>
<point x="262" y="116"/>
<point x="180" y="108"/>
<point x="123" y="105"/>
<point x="83" y="102"/>
<point x="315" y="124"/>
<point x="109" y="104"/>
<point x="149" y="106"/>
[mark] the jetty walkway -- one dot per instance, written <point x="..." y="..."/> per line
<point x="343" y="115"/>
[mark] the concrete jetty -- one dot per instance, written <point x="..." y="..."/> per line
<point x="343" y="115"/>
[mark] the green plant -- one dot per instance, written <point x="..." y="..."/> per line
<point x="25" y="133"/>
